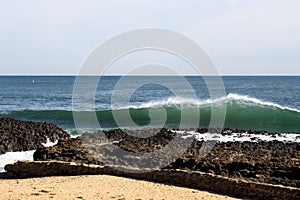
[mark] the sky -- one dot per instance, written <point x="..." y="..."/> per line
<point x="53" y="37"/>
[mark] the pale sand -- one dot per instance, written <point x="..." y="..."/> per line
<point x="96" y="187"/>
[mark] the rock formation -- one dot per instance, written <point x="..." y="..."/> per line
<point x="17" y="135"/>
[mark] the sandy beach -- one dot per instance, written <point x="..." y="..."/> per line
<point x="96" y="187"/>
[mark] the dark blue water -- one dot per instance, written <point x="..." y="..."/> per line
<point x="265" y="103"/>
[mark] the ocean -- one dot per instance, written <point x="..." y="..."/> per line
<point x="252" y="102"/>
<point x="270" y="103"/>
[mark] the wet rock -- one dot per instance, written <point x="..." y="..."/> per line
<point x="17" y="135"/>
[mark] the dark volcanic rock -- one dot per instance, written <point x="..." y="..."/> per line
<point x="158" y="139"/>
<point x="69" y="150"/>
<point x="271" y="162"/>
<point x="72" y="149"/>
<point x="17" y="135"/>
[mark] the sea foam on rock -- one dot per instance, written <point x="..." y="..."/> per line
<point x="18" y="135"/>
<point x="68" y="150"/>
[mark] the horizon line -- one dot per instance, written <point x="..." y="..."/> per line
<point x="150" y="75"/>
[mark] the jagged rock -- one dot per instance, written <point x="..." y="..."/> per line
<point x="271" y="162"/>
<point x="68" y="150"/>
<point x="158" y="140"/>
<point x="17" y="135"/>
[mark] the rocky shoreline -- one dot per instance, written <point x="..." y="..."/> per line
<point x="18" y="135"/>
<point x="271" y="162"/>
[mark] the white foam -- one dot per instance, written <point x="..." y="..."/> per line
<point x="49" y="143"/>
<point x="12" y="157"/>
<point x="257" y="101"/>
<point x="171" y="101"/>
<point x="241" y="137"/>
<point x="166" y="102"/>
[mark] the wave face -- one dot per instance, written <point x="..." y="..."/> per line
<point x="243" y="112"/>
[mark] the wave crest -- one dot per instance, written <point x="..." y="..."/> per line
<point x="231" y="97"/>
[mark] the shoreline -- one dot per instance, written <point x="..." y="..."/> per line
<point x="252" y="157"/>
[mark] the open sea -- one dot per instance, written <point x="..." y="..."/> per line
<point x="270" y="103"/>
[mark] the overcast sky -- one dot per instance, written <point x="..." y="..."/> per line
<point x="241" y="37"/>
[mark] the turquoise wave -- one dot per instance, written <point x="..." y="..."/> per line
<point x="241" y="114"/>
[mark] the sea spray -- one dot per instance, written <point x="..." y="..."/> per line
<point x="243" y="112"/>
